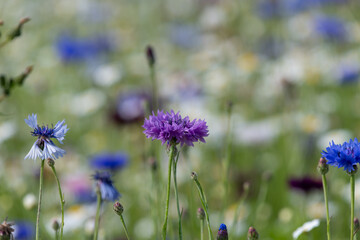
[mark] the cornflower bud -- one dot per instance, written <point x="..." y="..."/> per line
<point x="201" y="213"/>
<point x="194" y="176"/>
<point x="118" y="208"/>
<point x="55" y="225"/>
<point x="222" y="233"/>
<point x="252" y="234"/>
<point x="17" y="31"/>
<point x="323" y="167"/>
<point x="150" y="55"/>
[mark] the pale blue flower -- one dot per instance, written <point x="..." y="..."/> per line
<point x="44" y="147"/>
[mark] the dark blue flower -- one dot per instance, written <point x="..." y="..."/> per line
<point x="331" y="28"/>
<point x="109" y="161"/>
<point x="44" y="147"/>
<point x="170" y="126"/>
<point x="24" y="230"/>
<point x="71" y="49"/>
<point x="105" y="184"/>
<point x="222" y="233"/>
<point x="344" y="156"/>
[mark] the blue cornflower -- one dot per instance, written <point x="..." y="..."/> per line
<point x="170" y="126"/>
<point x="222" y="233"/>
<point x="331" y="28"/>
<point x="109" y="161"/>
<point x="346" y="155"/>
<point x="44" y="147"/>
<point x="72" y="49"/>
<point x="105" y="185"/>
<point x="24" y="230"/>
<point x="349" y="74"/>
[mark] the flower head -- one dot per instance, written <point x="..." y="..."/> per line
<point x="222" y="233"/>
<point x="109" y="161"/>
<point x="6" y="230"/>
<point x="170" y="126"/>
<point x="44" y="147"/>
<point x="346" y="155"/>
<point x="305" y="184"/>
<point x="105" y="185"/>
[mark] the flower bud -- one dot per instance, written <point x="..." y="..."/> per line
<point x="252" y="234"/>
<point x="323" y="167"/>
<point x="17" y="31"/>
<point x="118" y="208"/>
<point x="6" y="230"/>
<point x="51" y="162"/>
<point x="194" y="176"/>
<point x="55" y="225"/>
<point x="222" y="233"/>
<point x="150" y="55"/>
<point x="153" y="163"/>
<point x="201" y="214"/>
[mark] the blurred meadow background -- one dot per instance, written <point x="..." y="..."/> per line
<point x="275" y="80"/>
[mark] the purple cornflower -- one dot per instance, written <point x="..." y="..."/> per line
<point x="346" y="155"/>
<point x="222" y="233"/>
<point x="105" y="184"/>
<point x="44" y="147"/>
<point x="170" y="126"/>
<point x="109" y="161"/>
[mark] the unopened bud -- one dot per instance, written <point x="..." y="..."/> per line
<point x="18" y="30"/>
<point x="150" y="55"/>
<point x="6" y="230"/>
<point x="252" y="234"/>
<point x="21" y="78"/>
<point x="51" y="162"/>
<point x="222" y="233"/>
<point x="55" y="225"/>
<point x="1" y="22"/>
<point x="201" y="214"/>
<point x="323" y="167"/>
<point x="194" y="176"/>
<point x="118" y="208"/>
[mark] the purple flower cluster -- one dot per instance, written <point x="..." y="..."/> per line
<point x="346" y="155"/>
<point x="170" y="126"/>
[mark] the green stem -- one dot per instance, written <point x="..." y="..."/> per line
<point x="202" y="229"/>
<point x="40" y="196"/>
<point x="327" y="206"/>
<point x="205" y="206"/>
<point x="352" y="184"/>
<point x="97" y="218"/>
<point x="171" y="158"/>
<point x="62" y="202"/>
<point x="56" y="235"/>
<point x="125" y="228"/>
<point x="177" y="196"/>
<point x="154" y="87"/>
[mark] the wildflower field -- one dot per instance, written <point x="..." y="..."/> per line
<point x="171" y="120"/>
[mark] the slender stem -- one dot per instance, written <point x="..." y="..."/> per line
<point x="97" y="218"/>
<point x="62" y="202"/>
<point x="40" y="196"/>
<point x="56" y="235"/>
<point x="205" y="206"/>
<point x="202" y="229"/>
<point x="177" y="196"/>
<point x="327" y="206"/>
<point x="154" y="87"/>
<point x="171" y="158"/>
<point x="125" y="228"/>
<point x="352" y="184"/>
